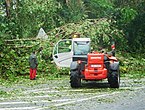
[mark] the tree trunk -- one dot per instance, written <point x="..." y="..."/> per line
<point x="8" y="5"/>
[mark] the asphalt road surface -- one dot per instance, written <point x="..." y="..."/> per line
<point x="58" y="95"/>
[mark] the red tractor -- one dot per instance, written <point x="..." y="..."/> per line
<point x="92" y="66"/>
<point x="84" y="64"/>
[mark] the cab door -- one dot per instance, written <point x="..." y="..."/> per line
<point x="62" y="53"/>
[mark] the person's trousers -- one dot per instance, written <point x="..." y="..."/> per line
<point x="33" y="73"/>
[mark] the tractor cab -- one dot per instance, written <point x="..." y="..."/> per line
<point x="68" y="50"/>
<point x="81" y="47"/>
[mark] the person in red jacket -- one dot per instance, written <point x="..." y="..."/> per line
<point x="33" y="65"/>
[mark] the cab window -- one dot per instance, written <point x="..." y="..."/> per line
<point x="64" y="46"/>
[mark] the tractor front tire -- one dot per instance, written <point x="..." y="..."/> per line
<point x="75" y="80"/>
<point x="114" y="79"/>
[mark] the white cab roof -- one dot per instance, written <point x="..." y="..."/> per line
<point x="81" y="39"/>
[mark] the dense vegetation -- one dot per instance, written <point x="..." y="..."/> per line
<point x="101" y="20"/>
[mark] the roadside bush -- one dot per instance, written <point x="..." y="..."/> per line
<point x="132" y="65"/>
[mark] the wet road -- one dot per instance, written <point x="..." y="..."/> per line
<point x="58" y="95"/>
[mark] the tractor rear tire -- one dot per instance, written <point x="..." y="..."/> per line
<point x="114" y="79"/>
<point x="75" y="80"/>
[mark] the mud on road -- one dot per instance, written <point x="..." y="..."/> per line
<point x="58" y="95"/>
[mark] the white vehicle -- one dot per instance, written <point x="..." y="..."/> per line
<point x="66" y="49"/>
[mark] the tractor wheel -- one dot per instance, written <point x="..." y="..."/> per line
<point x="75" y="79"/>
<point x="114" y="79"/>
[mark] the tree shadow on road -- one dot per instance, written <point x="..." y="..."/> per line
<point x="95" y="84"/>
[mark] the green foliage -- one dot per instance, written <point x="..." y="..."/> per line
<point x="29" y="16"/>
<point x="132" y="65"/>
<point x="118" y="20"/>
<point x="73" y="12"/>
<point x="99" y="8"/>
<point x="127" y="14"/>
<point x="136" y="35"/>
<point x="32" y="15"/>
<point x="12" y="63"/>
<point x="101" y="31"/>
<point x="14" y="59"/>
<point x="76" y="11"/>
<point x="130" y="19"/>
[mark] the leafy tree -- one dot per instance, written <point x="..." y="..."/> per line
<point x="99" y="8"/>
<point x="124" y="16"/>
<point x="27" y="16"/>
<point x="73" y="11"/>
<point x="129" y="16"/>
<point x="136" y="29"/>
